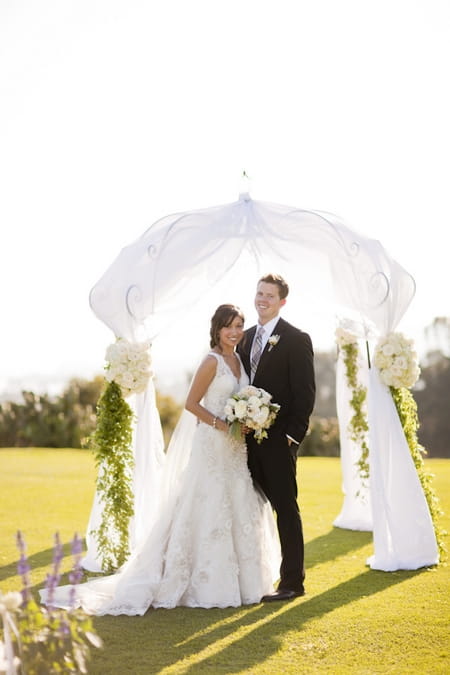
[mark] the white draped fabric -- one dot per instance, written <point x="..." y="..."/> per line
<point x="403" y="531"/>
<point x="356" y="512"/>
<point x="155" y="281"/>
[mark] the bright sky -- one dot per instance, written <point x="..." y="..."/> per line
<point x="114" y="114"/>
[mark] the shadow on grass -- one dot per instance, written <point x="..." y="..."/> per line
<point x="327" y="547"/>
<point x="333" y="544"/>
<point x="271" y="623"/>
<point x="228" y="640"/>
<point x="232" y="640"/>
<point x="36" y="560"/>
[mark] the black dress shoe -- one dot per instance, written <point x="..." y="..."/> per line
<point x="282" y="594"/>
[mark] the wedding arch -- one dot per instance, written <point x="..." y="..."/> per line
<point x="154" y="284"/>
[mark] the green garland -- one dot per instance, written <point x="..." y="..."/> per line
<point x="358" y="425"/>
<point x="407" y="412"/>
<point x="111" y="443"/>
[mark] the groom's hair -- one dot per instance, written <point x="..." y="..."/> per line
<point x="223" y="316"/>
<point x="278" y="280"/>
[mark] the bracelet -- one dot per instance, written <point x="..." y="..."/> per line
<point x="214" y="422"/>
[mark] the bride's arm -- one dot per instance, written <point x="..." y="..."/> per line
<point x="202" y="379"/>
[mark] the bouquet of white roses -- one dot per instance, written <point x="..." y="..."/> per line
<point x="396" y="360"/>
<point x="128" y="364"/>
<point x="250" y="407"/>
<point x="344" y="336"/>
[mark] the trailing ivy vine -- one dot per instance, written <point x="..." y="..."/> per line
<point x="407" y="412"/>
<point x="111" y="443"/>
<point x="358" y="425"/>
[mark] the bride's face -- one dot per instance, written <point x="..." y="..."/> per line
<point x="230" y="336"/>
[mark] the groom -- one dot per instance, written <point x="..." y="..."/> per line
<point x="279" y="358"/>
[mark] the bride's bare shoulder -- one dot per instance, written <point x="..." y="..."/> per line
<point x="209" y="363"/>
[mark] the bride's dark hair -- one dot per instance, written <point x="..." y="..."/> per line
<point x="223" y="316"/>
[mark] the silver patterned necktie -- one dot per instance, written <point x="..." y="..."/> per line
<point x="256" y="351"/>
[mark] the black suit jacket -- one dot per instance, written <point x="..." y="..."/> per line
<point x="286" y="371"/>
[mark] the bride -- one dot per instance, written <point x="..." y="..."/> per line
<point x="215" y="541"/>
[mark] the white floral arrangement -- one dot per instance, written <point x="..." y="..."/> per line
<point x="129" y="365"/>
<point x="344" y="336"/>
<point x="9" y="603"/>
<point x="251" y="407"/>
<point x="397" y="361"/>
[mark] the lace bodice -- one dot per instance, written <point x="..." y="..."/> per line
<point x="224" y="385"/>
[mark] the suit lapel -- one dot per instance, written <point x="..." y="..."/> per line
<point x="246" y="348"/>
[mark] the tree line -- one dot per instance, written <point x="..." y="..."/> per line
<point x="68" y="419"/>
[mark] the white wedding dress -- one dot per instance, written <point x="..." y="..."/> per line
<point x="215" y="543"/>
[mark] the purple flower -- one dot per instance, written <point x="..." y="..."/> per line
<point x="23" y="567"/>
<point x="55" y="576"/>
<point x="64" y="627"/>
<point x="76" y="574"/>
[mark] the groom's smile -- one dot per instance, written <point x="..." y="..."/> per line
<point x="267" y="301"/>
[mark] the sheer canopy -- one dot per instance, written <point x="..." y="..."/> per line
<point x="171" y="266"/>
<point x="156" y="280"/>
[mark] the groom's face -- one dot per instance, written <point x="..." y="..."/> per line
<point x="267" y="301"/>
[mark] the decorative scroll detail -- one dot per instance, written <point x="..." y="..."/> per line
<point x="354" y="249"/>
<point x="380" y="281"/>
<point x="133" y="298"/>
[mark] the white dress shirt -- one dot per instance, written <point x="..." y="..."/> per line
<point x="268" y="328"/>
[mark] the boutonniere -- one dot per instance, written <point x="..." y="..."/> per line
<point x="273" y="340"/>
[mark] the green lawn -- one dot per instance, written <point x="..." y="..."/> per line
<point x="352" y="620"/>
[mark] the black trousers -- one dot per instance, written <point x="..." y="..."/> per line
<point x="273" y="466"/>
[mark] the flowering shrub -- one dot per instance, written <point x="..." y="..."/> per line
<point x="358" y="427"/>
<point x="396" y="360"/>
<point x="251" y="407"/>
<point x="111" y="443"/>
<point x="44" y="640"/>
<point x="128" y="364"/>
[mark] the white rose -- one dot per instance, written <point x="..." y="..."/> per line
<point x="262" y="415"/>
<point x="401" y="362"/>
<point x="123" y="347"/>
<point x="248" y="391"/>
<point x="254" y="402"/>
<point x="240" y="409"/>
<point x="387" y="349"/>
<point x="111" y="353"/>
<point x="344" y="338"/>
<point x="265" y="397"/>
<point x="229" y="412"/>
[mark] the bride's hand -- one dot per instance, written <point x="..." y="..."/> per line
<point x="222" y="425"/>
